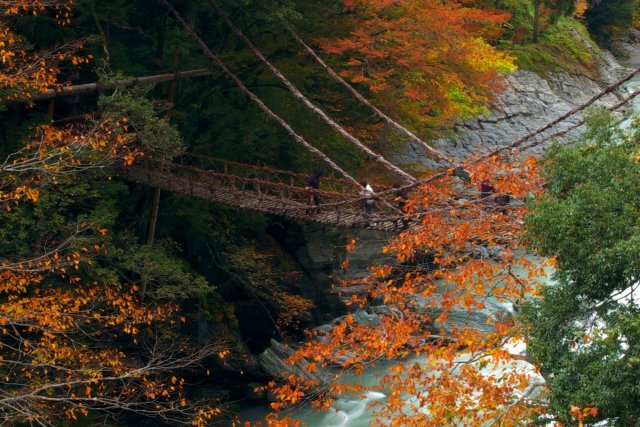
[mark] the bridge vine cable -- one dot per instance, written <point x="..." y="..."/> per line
<point x="216" y="60"/>
<point x="517" y="146"/>
<point x="310" y="105"/>
<point x="581" y="122"/>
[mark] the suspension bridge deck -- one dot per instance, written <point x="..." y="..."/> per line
<point x="268" y="191"/>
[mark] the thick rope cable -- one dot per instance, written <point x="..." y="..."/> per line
<point x="609" y="89"/>
<point x="581" y="122"/>
<point x="299" y="95"/>
<point x="516" y="144"/>
<point x="432" y="151"/>
<point x="255" y="98"/>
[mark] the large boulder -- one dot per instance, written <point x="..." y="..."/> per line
<point x="273" y="363"/>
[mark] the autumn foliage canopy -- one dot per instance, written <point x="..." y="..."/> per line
<point x="433" y="57"/>
<point x="462" y="258"/>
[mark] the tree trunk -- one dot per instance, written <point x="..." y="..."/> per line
<point x="155" y="203"/>
<point x="153" y="217"/>
<point x="536" y="19"/>
<point x="51" y="106"/>
<point x="94" y="87"/>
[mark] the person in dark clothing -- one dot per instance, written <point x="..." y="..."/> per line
<point x="503" y="200"/>
<point x="312" y="185"/>
<point x="486" y="189"/>
<point x="401" y="199"/>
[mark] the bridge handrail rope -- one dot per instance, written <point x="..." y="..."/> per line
<point x="266" y="174"/>
<point x="581" y="122"/>
<point x="298" y="195"/>
<point x="242" y="182"/>
<point x="350" y="216"/>
<point x="609" y="89"/>
<point x="210" y="162"/>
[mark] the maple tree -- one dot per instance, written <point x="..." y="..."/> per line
<point x="23" y="72"/>
<point x="433" y="57"/>
<point x="52" y="152"/>
<point x="463" y="255"/>
<point x="64" y="327"/>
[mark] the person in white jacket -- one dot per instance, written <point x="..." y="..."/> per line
<point x="368" y="192"/>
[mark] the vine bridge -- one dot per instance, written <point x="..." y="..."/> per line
<point x="339" y="203"/>
<point x="269" y="191"/>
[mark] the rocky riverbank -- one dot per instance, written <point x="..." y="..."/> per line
<point x="529" y="102"/>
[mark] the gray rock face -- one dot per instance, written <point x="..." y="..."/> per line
<point x="324" y="250"/>
<point x="528" y="103"/>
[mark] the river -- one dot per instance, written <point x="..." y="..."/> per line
<point x="359" y="410"/>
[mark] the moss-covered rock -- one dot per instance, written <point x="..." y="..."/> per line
<point x="565" y="46"/>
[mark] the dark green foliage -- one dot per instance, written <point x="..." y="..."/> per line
<point x="62" y="211"/>
<point x="72" y="212"/>
<point x="561" y="7"/>
<point x="166" y="275"/>
<point x="607" y="19"/>
<point x="153" y="134"/>
<point x="564" y="47"/>
<point x="584" y="341"/>
<point x="604" y="374"/>
<point x="589" y="218"/>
